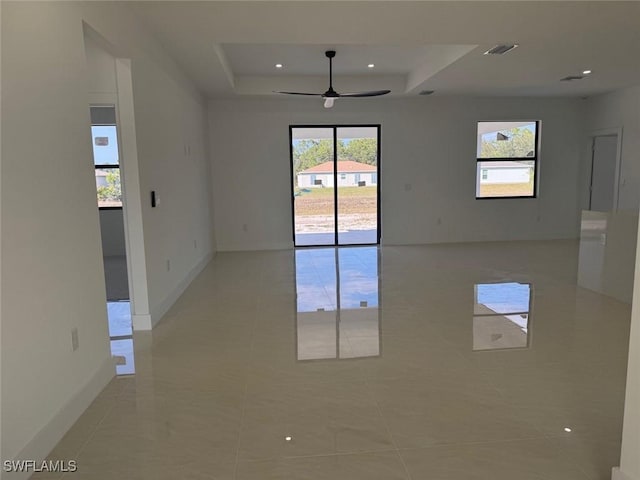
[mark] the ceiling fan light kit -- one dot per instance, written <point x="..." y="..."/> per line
<point x="330" y="95"/>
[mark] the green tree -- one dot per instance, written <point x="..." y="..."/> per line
<point x="311" y="152"/>
<point x="112" y="191"/>
<point x="520" y="142"/>
<point x="362" y="150"/>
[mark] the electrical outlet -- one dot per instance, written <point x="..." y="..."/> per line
<point x="168" y="265"/>
<point x="439" y="222"/>
<point x="245" y="228"/>
<point x="75" y="341"/>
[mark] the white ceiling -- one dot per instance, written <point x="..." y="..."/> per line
<point x="231" y="48"/>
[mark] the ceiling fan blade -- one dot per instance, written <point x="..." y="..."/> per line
<point x="373" y="93"/>
<point x="300" y="93"/>
<point x="330" y="95"/>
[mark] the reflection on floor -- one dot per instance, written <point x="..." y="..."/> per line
<point x="121" y="335"/>
<point x="501" y="316"/>
<point x="337" y="303"/>
<point x="225" y="388"/>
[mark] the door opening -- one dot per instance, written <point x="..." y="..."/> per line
<point x="335" y="180"/>
<point x="603" y="191"/>
<point x="106" y="160"/>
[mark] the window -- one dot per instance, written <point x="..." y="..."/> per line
<point x="507" y="159"/>
<point x="106" y="159"/>
<point x="343" y="176"/>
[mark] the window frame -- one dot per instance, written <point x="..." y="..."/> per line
<point x="110" y="165"/>
<point x="535" y="159"/>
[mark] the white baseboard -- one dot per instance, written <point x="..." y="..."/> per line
<point x="48" y="437"/>
<point x="617" y="474"/>
<point x="259" y="247"/>
<point x="158" y="312"/>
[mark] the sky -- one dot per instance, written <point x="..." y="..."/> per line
<point x="105" y="155"/>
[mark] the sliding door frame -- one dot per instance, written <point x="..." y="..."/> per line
<point x="335" y="128"/>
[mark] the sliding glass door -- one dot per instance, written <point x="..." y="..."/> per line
<point x="335" y="184"/>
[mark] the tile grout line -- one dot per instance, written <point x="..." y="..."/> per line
<point x="386" y="425"/>
<point x="368" y="384"/>
<point x="83" y="445"/>
<point x="246" y="381"/>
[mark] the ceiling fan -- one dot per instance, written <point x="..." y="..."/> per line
<point x="330" y="95"/>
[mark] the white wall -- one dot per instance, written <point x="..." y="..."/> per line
<point x="52" y="274"/>
<point x="427" y="168"/>
<point x="619" y="109"/>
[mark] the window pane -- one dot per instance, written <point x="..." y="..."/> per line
<point x="506" y="139"/>
<point x="505" y="179"/>
<point x="358" y="188"/>
<point x="105" y="145"/>
<point x="108" y="187"/>
<point x="103" y="115"/>
<point x="313" y="193"/>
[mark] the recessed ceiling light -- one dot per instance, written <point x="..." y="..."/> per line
<point x="586" y="72"/>
<point x="371" y="65"/>
<point x="278" y="65"/>
<point x="567" y="429"/>
<point x="288" y="439"/>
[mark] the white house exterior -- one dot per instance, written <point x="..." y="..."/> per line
<point x="504" y="172"/>
<point x="350" y="174"/>
<point x="101" y="179"/>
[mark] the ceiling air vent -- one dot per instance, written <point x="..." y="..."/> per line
<point x="570" y="78"/>
<point x="500" y="49"/>
<point x="426" y="92"/>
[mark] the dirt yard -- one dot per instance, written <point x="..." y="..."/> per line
<point x="357" y="207"/>
<point x="351" y="200"/>
<point x="506" y="189"/>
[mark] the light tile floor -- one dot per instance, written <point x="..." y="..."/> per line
<point x="381" y="367"/>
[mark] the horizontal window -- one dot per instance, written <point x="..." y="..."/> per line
<point x="506" y="139"/>
<point x="109" y="187"/>
<point x="105" y="145"/>
<point x="506" y="179"/>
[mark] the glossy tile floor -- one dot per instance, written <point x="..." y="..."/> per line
<point x="430" y="362"/>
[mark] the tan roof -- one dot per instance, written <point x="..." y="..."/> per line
<point x="344" y="166"/>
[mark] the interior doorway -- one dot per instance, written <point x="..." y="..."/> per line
<point x="335" y="180"/>
<point x="109" y="192"/>
<point x="603" y="188"/>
